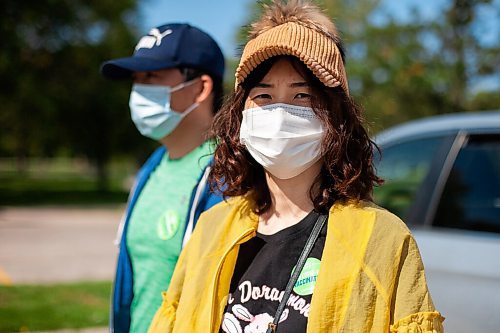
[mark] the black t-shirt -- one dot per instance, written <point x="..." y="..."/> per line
<point x="263" y="268"/>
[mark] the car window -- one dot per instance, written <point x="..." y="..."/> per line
<point x="404" y="166"/>
<point x="471" y="196"/>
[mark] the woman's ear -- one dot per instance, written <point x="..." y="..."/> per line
<point x="207" y="86"/>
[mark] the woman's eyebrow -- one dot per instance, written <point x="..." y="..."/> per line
<point x="291" y="85"/>
<point x="299" y="84"/>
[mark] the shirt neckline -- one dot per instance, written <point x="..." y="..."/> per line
<point x="291" y="231"/>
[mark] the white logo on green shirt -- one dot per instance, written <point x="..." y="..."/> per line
<point x="168" y="224"/>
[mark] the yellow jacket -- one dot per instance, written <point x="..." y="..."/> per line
<point x="371" y="277"/>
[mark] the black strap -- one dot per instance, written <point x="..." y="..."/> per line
<point x="320" y="222"/>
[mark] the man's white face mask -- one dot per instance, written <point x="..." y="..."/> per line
<point x="151" y="111"/>
<point x="285" y="139"/>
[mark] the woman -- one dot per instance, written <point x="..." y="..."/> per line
<point x="292" y="153"/>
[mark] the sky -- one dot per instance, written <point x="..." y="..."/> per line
<point x="219" y="18"/>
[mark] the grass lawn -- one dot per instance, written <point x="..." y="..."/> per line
<point x="23" y="191"/>
<point x="51" y="307"/>
<point x="62" y="181"/>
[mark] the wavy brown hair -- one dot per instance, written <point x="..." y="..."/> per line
<point x="347" y="172"/>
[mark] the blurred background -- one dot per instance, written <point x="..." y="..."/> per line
<point x="68" y="150"/>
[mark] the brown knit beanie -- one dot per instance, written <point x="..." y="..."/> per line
<point x="297" y="28"/>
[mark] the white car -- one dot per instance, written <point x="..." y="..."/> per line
<point x="443" y="179"/>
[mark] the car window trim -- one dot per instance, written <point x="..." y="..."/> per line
<point x="435" y="197"/>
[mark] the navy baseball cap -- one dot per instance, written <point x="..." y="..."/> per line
<point x="169" y="46"/>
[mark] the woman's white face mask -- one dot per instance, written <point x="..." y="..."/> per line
<point x="285" y="139"/>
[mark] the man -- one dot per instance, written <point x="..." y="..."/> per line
<point x="177" y="73"/>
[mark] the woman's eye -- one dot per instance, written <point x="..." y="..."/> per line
<point x="262" y="96"/>
<point x="302" y="96"/>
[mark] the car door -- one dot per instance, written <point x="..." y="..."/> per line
<point x="460" y="244"/>
<point x="446" y="187"/>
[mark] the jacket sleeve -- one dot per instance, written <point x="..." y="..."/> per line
<point x="164" y="319"/>
<point x="412" y="307"/>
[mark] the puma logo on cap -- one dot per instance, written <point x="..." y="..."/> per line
<point x="154" y="38"/>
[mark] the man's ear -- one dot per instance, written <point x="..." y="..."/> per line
<point x="207" y="86"/>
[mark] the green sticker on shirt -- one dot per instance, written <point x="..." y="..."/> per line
<point x="168" y="224"/>
<point x="307" y="278"/>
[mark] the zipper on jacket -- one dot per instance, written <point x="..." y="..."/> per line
<point x="217" y="275"/>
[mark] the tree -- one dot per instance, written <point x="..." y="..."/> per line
<point x="53" y="99"/>
<point x="463" y="50"/>
<point x="407" y="70"/>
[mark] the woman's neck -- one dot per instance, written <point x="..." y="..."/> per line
<point x="290" y="200"/>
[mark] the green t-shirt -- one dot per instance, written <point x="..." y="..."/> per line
<point x="155" y="232"/>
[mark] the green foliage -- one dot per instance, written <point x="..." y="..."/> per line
<point x="403" y="71"/>
<point x="54" y="101"/>
<point x="484" y="100"/>
<point x="41" y="308"/>
<point x="21" y="190"/>
<point x="60" y="181"/>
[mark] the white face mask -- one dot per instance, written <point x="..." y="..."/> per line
<point x="151" y="112"/>
<point x="285" y="139"/>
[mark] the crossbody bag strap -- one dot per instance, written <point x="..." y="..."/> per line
<point x="320" y="222"/>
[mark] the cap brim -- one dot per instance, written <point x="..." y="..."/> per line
<point x="122" y="68"/>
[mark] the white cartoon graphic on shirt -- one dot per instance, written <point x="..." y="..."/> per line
<point x="230" y="324"/>
<point x="258" y="323"/>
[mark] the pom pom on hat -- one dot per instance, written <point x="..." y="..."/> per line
<point x="297" y="28"/>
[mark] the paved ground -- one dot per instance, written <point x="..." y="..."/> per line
<point x="53" y="244"/>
